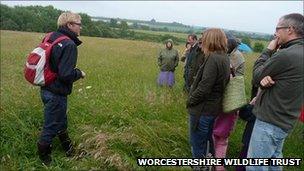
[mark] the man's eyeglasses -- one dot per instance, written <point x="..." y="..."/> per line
<point x="283" y="27"/>
<point x="79" y="24"/>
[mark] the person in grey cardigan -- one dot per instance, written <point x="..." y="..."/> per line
<point x="279" y="72"/>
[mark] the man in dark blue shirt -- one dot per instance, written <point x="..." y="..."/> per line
<point x="54" y="96"/>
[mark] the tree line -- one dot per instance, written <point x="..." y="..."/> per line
<point x="44" y="19"/>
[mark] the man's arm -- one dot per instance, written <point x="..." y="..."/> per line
<point x="159" y="59"/>
<point x="66" y="68"/>
<point x="269" y="64"/>
<point x="205" y="85"/>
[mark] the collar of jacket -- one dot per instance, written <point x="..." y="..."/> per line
<point x="235" y="49"/>
<point x="70" y="34"/>
<point x="292" y="42"/>
<point x="195" y="44"/>
<point x="194" y="47"/>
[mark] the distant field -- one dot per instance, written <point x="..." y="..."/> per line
<point x="184" y="35"/>
<point x="178" y="35"/>
<point x="123" y="116"/>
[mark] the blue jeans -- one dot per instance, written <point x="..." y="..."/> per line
<point x="201" y="135"/>
<point x="55" y="117"/>
<point x="266" y="142"/>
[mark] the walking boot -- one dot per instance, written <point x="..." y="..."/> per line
<point x="44" y="152"/>
<point x="66" y="143"/>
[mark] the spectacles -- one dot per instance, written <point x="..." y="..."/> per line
<point x="283" y="27"/>
<point x="79" y="24"/>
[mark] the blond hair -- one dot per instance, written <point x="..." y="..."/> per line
<point x="67" y="17"/>
<point x="214" y="40"/>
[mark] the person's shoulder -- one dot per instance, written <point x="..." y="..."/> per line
<point x="66" y="42"/>
<point x="238" y="53"/>
<point x="69" y="42"/>
<point x="293" y="48"/>
<point x="162" y="50"/>
<point x="200" y="55"/>
<point x="62" y="44"/>
<point x="218" y="56"/>
<point x="282" y="53"/>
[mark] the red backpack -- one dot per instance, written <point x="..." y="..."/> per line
<point x="37" y="69"/>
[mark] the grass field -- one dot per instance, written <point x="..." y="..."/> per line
<point x="123" y="116"/>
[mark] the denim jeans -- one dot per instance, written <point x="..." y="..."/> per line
<point x="55" y="118"/>
<point x="201" y="135"/>
<point x="266" y="142"/>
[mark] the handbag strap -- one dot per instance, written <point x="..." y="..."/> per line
<point x="232" y="70"/>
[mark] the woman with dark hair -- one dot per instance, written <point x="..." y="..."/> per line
<point x="206" y="94"/>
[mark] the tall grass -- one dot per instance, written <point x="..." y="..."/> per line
<point x="123" y="116"/>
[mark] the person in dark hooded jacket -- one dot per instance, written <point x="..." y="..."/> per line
<point x="167" y="62"/>
<point x="204" y="102"/>
<point x="54" y="96"/>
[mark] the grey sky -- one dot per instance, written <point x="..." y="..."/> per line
<point x="256" y="16"/>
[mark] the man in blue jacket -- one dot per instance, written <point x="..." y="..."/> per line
<point x="54" y="96"/>
<point x="279" y="72"/>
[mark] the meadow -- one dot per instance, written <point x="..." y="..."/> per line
<point x="116" y="114"/>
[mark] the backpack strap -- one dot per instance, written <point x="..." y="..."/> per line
<point x="59" y="39"/>
<point x="232" y="70"/>
<point x="47" y="37"/>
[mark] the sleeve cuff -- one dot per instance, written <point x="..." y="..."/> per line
<point x="78" y="74"/>
<point x="268" y="52"/>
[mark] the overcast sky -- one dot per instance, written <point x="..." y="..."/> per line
<point x="255" y="16"/>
